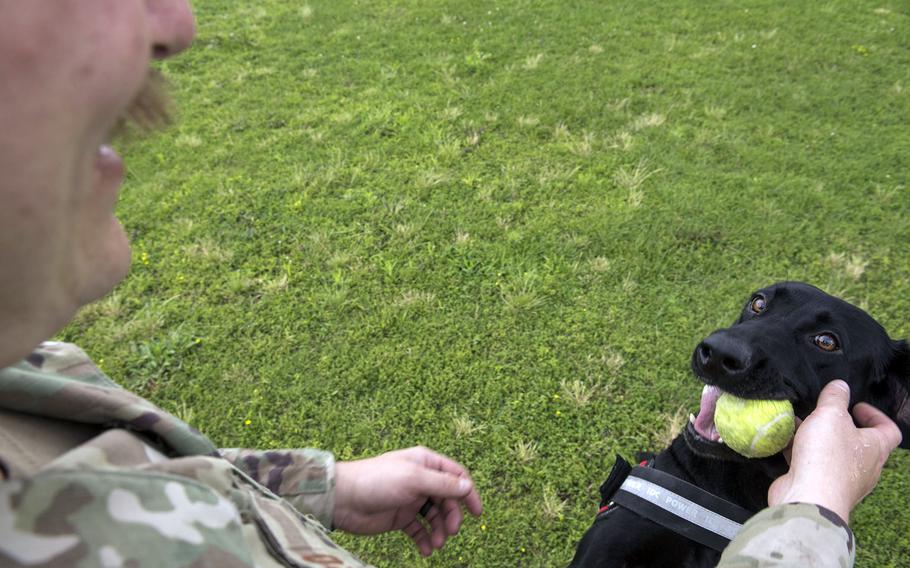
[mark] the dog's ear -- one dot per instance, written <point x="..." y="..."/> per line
<point x="892" y="395"/>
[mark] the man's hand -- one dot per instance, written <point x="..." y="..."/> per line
<point x="833" y="463"/>
<point x="387" y="492"/>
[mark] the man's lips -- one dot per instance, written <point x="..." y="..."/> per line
<point x="109" y="164"/>
<point x="109" y="172"/>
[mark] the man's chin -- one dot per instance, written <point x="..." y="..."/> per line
<point x="108" y="266"/>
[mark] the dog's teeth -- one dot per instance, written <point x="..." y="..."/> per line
<point x="719" y="439"/>
<point x="691" y="418"/>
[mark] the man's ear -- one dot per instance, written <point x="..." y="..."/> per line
<point x="893" y="394"/>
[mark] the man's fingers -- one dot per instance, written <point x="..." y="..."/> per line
<point x="440" y="484"/>
<point x="870" y="417"/>
<point x="835" y="394"/>
<point x="447" y="469"/>
<point x="435" y="460"/>
<point x="451" y="511"/>
<point x="418" y="533"/>
<point x="437" y="528"/>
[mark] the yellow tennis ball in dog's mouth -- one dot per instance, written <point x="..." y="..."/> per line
<point x="754" y="428"/>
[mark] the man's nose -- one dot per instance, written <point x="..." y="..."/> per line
<point x="172" y="26"/>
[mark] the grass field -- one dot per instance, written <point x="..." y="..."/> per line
<point x="500" y="228"/>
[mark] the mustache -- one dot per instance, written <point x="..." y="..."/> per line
<point x="151" y="110"/>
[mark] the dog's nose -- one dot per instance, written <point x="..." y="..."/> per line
<point x="723" y="357"/>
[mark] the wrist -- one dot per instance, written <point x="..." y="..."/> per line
<point x="821" y="497"/>
<point x="340" y="509"/>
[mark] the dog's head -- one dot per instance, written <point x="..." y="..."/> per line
<point x="790" y="340"/>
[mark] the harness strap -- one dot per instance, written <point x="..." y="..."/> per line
<point x="680" y="506"/>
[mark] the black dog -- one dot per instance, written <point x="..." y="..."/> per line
<point x="789" y="342"/>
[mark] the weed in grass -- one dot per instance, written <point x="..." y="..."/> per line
<point x="582" y="146"/>
<point x="206" y="249"/>
<point x="600" y="264"/>
<point x="448" y="149"/>
<point x="578" y="392"/>
<point x="465" y="427"/>
<point x="716" y="112"/>
<point x="432" y="178"/>
<point x="334" y="298"/>
<point x="550" y="175"/>
<point x="635" y="197"/>
<point x="578" y="240"/>
<point x="629" y="284"/>
<point x="622" y="140"/>
<point x="340" y="259"/>
<point x="185" y="412"/>
<point x="451" y="113"/>
<point x="631" y="179"/>
<point x="462" y="237"/>
<point x="188" y="141"/>
<point x="405" y="230"/>
<point x="552" y="507"/>
<point x="111" y="307"/>
<point x="412" y="298"/>
<point x="855" y="267"/>
<point x="520" y="294"/>
<point x="525" y="451"/>
<point x="675" y="424"/>
<point x="885" y="194"/>
<point x="528" y="121"/>
<point x="533" y="61"/>
<point x="849" y="268"/>
<point x="648" y="120"/>
<point x="274" y="285"/>
<point x="561" y="131"/>
<point x="472" y="139"/>
<point x="143" y="325"/>
<point x="449" y="75"/>
<point x="614" y="362"/>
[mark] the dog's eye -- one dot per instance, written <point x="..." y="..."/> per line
<point x="826" y="342"/>
<point x="758" y="304"/>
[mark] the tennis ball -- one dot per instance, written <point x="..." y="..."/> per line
<point x="754" y="428"/>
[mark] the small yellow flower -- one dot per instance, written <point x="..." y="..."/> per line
<point x="483" y="527"/>
<point x="247" y="422"/>
<point x="558" y="413"/>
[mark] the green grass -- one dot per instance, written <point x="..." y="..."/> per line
<point x="500" y="229"/>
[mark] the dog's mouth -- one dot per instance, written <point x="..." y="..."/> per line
<point x="703" y="423"/>
<point x="701" y="433"/>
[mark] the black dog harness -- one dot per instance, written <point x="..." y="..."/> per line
<point x="672" y="503"/>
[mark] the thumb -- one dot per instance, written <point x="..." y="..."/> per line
<point x="836" y="394"/>
<point x="442" y="484"/>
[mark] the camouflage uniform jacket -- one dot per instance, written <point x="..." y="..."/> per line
<point x="96" y="476"/>
<point x="793" y="535"/>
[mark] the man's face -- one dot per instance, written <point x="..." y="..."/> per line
<point x="69" y="69"/>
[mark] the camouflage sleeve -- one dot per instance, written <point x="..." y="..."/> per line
<point x="793" y="534"/>
<point x="304" y="477"/>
